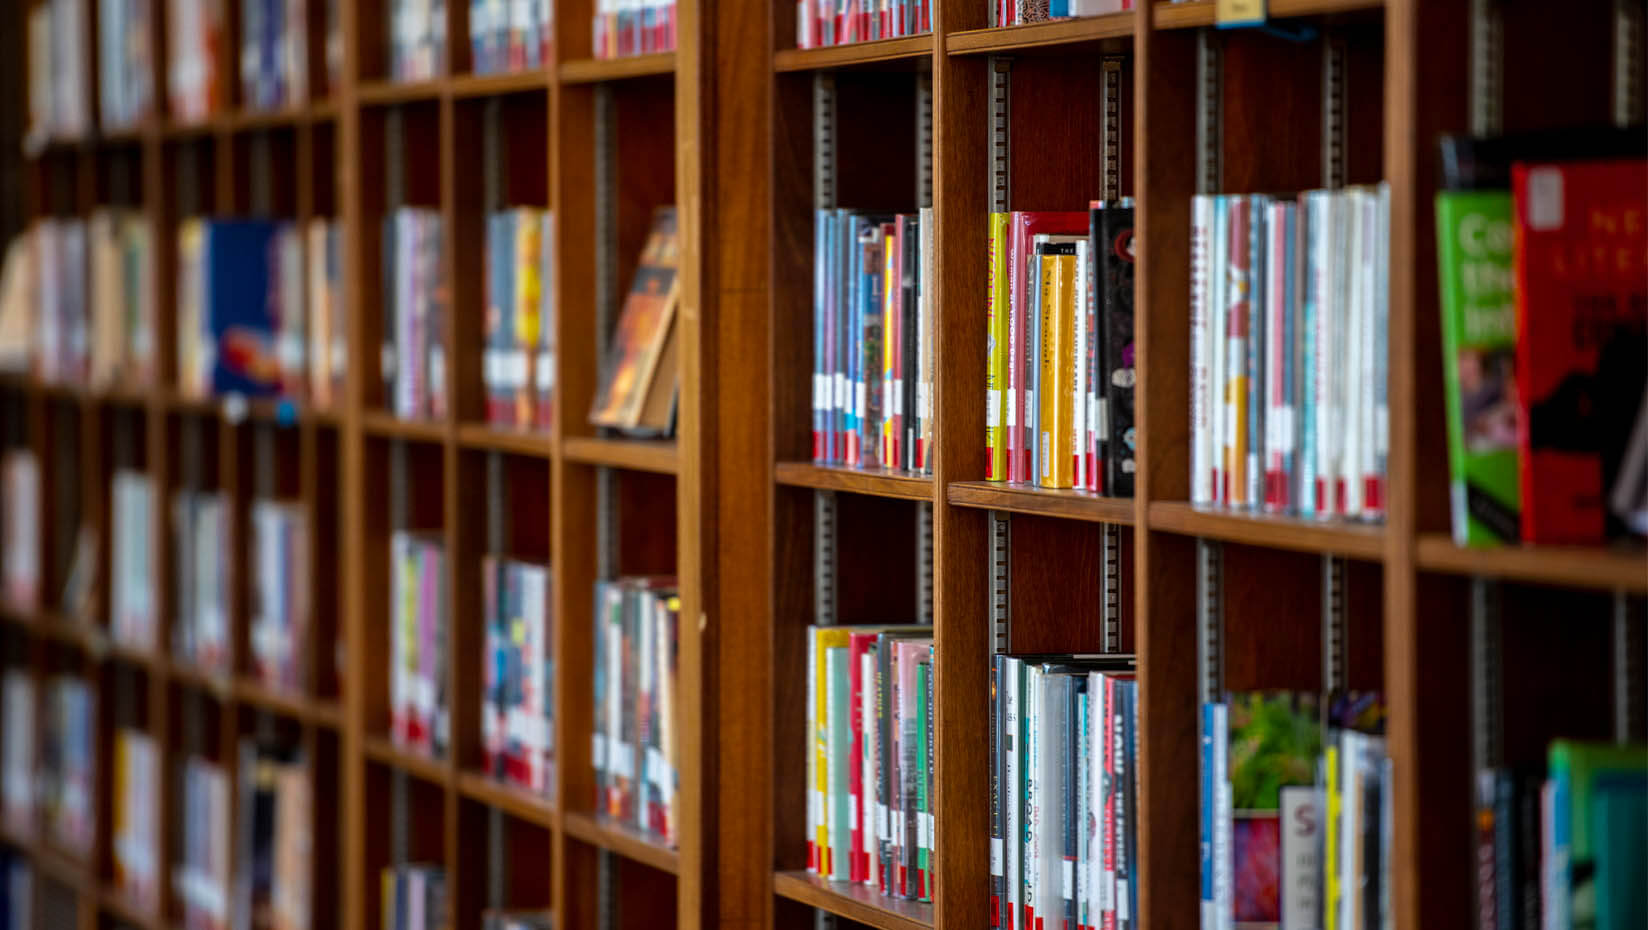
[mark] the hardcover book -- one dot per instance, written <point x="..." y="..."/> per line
<point x="639" y="370"/>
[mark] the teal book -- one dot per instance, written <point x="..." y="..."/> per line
<point x="1599" y="858"/>
<point x="1473" y="236"/>
<point x="840" y="762"/>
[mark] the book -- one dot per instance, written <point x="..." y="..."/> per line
<point x="20" y="500"/>
<point x="274" y="841"/>
<point x="68" y="765"/>
<point x="132" y="613"/>
<point x="415" y="332"/>
<point x="823" y="23"/>
<point x="59" y="49"/>
<point x="328" y="322"/>
<point x="418" y="644"/>
<point x="510" y="37"/>
<point x="1591" y="859"/>
<point x="1114" y="257"/>
<point x="518" y="358"/>
<point x="1474" y="266"/>
<point x="414" y="897"/>
<point x="121" y="314"/>
<point x="241" y="319"/>
<point x="1582" y="315"/>
<point x="621" y="28"/>
<point x="195" y="33"/>
<point x="416" y="39"/>
<point x="638" y="383"/>
<point x="274" y="53"/>
<point x="201" y="565"/>
<point x="201" y="880"/>
<point x="18" y="752"/>
<point x="281" y="607"/>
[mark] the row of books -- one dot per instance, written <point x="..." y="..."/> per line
<point x="201" y="874"/>
<point x="201" y="565"/>
<point x="870" y="762"/>
<point x="46" y="779"/>
<point x="417" y="39"/>
<point x="281" y="607"/>
<point x="1064" y="793"/>
<point x="418" y="646"/>
<point x="518" y="360"/>
<point x="633" y="739"/>
<point x="59" y="45"/>
<point x="415" y="302"/>
<point x="195" y="30"/>
<point x="1564" y="847"/>
<point x="274" y="53"/>
<point x="135" y="847"/>
<point x="20" y="539"/>
<point x="1296" y="812"/>
<point x="125" y="62"/>
<point x="1544" y="297"/>
<point x="93" y="285"/>
<point x="1060" y="378"/>
<point x="260" y="309"/>
<point x="518" y="681"/>
<point x="414" y="897"/>
<point x="1289" y="327"/>
<point x="820" y="23"/>
<point x="1019" y="12"/>
<point x="621" y="28"/>
<point x="873" y="340"/>
<point x="273" y="887"/>
<point x="510" y="35"/>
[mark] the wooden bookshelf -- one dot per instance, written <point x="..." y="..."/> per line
<point x="724" y="128"/>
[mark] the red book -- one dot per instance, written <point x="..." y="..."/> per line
<point x="1022" y="230"/>
<point x="1580" y="252"/>
<point x="858" y="859"/>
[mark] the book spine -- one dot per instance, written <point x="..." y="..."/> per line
<point x="1254" y="396"/>
<point x="821" y="389"/>
<point x="1015" y="422"/>
<point x="996" y="383"/>
<point x="998" y="698"/>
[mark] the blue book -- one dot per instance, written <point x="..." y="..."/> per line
<point x="239" y="292"/>
<point x="1209" y="917"/>
<point x="820" y="392"/>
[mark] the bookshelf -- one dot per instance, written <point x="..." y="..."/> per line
<point x="1152" y="103"/>
<point x="1333" y="92"/>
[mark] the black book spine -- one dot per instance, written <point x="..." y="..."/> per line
<point x="1505" y="868"/>
<point x="1095" y="350"/>
<point x="1115" y="259"/>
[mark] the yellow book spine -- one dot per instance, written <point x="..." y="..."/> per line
<point x="1057" y="368"/>
<point x="999" y="315"/>
<point x="1330" y="846"/>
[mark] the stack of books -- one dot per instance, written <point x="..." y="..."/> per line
<point x="820" y="23"/>
<point x="518" y="360"/>
<point x="870" y="764"/>
<point x="136" y="842"/>
<point x="418" y="646"/>
<point x="623" y="27"/>
<point x="518" y="677"/>
<point x="61" y="337"/>
<point x="200" y="561"/>
<point x="125" y="60"/>
<point x="275" y="837"/>
<point x="194" y="32"/>
<point x="280" y="615"/>
<point x="123" y="317"/>
<point x="873" y="340"/>
<point x="201" y="876"/>
<point x="274" y="53"/>
<point x="415" y="305"/>
<point x="133" y="620"/>
<point x="1289" y="321"/>
<point x="633" y="734"/>
<point x="510" y="35"/>
<point x="417" y="39"/>
<point x="414" y="897"/>
<point x="67" y="765"/>
<point x="59" y="43"/>
<point x="1059" y="386"/>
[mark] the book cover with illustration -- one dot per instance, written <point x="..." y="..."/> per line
<point x="644" y="329"/>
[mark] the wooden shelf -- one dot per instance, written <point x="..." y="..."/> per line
<point x="596" y="70"/>
<point x="384" y="93"/>
<point x="853" y="901"/>
<point x="494" y="85"/>
<point x="1194" y="14"/>
<point x="624" y="840"/>
<point x="1352" y="540"/>
<point x="320" y="712"/>
<point x="1113" y="29"/>
<point x="220" y="687"/>
<point x="274" y="118"/>
<point x="498" y="439"/>
<point x="1600" y="567"/>
<point x="1043" y="502"/>
<point x="513" y="801"/>
<point x="142" y="658"/>
<point x="389" y="426"/>
<point x="654" y="455"/>
<point x="874" y="483"/>
<point x="382" y="750"/>
<point x="907" y="49"/>
<point x="193" y="129"/>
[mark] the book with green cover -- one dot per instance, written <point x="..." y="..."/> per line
<point x="1597" y="858"/>
<point x="1473" y="234"/>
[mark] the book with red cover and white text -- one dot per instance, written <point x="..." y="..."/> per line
<point x="1581" y="262"/>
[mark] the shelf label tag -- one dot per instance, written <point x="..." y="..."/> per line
<point x="1233" y="13"/>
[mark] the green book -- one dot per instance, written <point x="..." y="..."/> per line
<point x="924" y="803"/>
<point x="1473" y="235"/>
<point x="1597" y="857"/>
